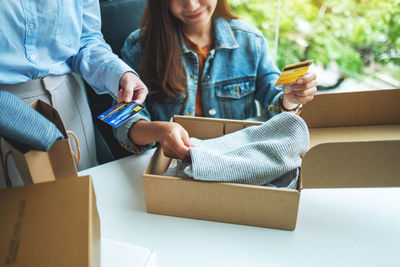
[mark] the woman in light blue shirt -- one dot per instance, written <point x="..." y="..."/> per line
<point x="236" y="71"/>
<point x="43" y="42"/>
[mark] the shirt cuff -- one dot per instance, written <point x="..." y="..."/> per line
<point x="274" y="108"/>
<point x="121" y="133"/>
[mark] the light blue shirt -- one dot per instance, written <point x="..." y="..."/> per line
<point x="53" y="37"/>
<point x="238" y="71"/>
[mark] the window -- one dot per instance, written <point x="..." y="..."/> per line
<point x="355" y="44"/>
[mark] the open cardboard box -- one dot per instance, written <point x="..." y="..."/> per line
<point x="355" y="142"/>
<point x="50" y="224"/>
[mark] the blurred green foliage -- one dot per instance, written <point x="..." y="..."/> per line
<point x="356" y="34"/>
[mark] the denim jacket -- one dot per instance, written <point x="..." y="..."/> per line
<point x="238" y="71"/>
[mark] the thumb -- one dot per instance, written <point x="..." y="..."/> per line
<point x="120" y="96"/>
<point x="127" y="84"/>
<point x="186" y="140"/>
<point x="127" y="93"/>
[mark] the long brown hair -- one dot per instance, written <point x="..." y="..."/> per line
<point x="161" y="65"/>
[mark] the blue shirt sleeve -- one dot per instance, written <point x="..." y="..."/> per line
<point x="121" y="133"/>
<point x="131" y="52"/>
<point x="95" y="61"/>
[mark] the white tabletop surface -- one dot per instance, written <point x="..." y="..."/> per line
<point x="335" y="227"/>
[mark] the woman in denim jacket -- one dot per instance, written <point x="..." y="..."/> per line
<point x="198" y="59"/>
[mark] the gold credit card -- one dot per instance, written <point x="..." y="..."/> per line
<point x="293" y="72"/>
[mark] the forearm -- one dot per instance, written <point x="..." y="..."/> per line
<point x="146" y="132"/>
<point x="173" y="138"/>
<point x="94" y="60"/>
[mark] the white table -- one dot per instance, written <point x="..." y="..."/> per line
<point x="336" y="227"/>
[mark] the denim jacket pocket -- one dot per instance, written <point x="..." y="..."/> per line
<point x="236" y="90"/>
<point x="236" y="98"/>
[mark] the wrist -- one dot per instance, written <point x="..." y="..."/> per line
<point x="144" y="132"/>
<point x="287" y="106"/>
<point x="295" y="108"/>
<point x="159" y="130"/>
<point x="126" y="76"/>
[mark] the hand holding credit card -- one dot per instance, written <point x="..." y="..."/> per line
<point x="293" y="72"/>
<point x="119" y="113"/>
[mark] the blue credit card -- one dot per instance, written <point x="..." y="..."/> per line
<point x="119" y="113"/>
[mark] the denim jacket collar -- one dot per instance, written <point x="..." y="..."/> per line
<point x="224" y="37"/>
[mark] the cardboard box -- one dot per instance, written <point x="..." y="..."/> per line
<point x="50" y="224"/>
<point x="355" y="142"/>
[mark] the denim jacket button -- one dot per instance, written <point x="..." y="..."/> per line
<point x="212" y="112"/>
<point x="207" y="77"/>
<point x="237" y="88"/>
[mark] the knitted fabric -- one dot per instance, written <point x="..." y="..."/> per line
<point x="288" y="180"/>
<point x="24" y="127"/>
<point x="256" y="155"/>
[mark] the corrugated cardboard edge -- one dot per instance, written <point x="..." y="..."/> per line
<point x="353" y="109"/>
<point x="94" y="242"/>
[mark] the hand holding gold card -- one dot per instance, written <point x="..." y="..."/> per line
<point x="293" y="72"/>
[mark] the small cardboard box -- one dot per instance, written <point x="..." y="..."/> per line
<point x="355" y="142"/>
<point x="50" y="224"/>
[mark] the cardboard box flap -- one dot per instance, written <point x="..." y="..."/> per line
<point x="354" y="134"/>
<point x="207" y="128"/>
<point x="358" y="156"/>
<point x="353" y="109"/>
<point x="200" y="128"/>
<point x="352" y="164"/>
<point x="158" y="163"/>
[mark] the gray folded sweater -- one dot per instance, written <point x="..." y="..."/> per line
<point x="256" y="155"/>
<point x="23" y="127"/>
